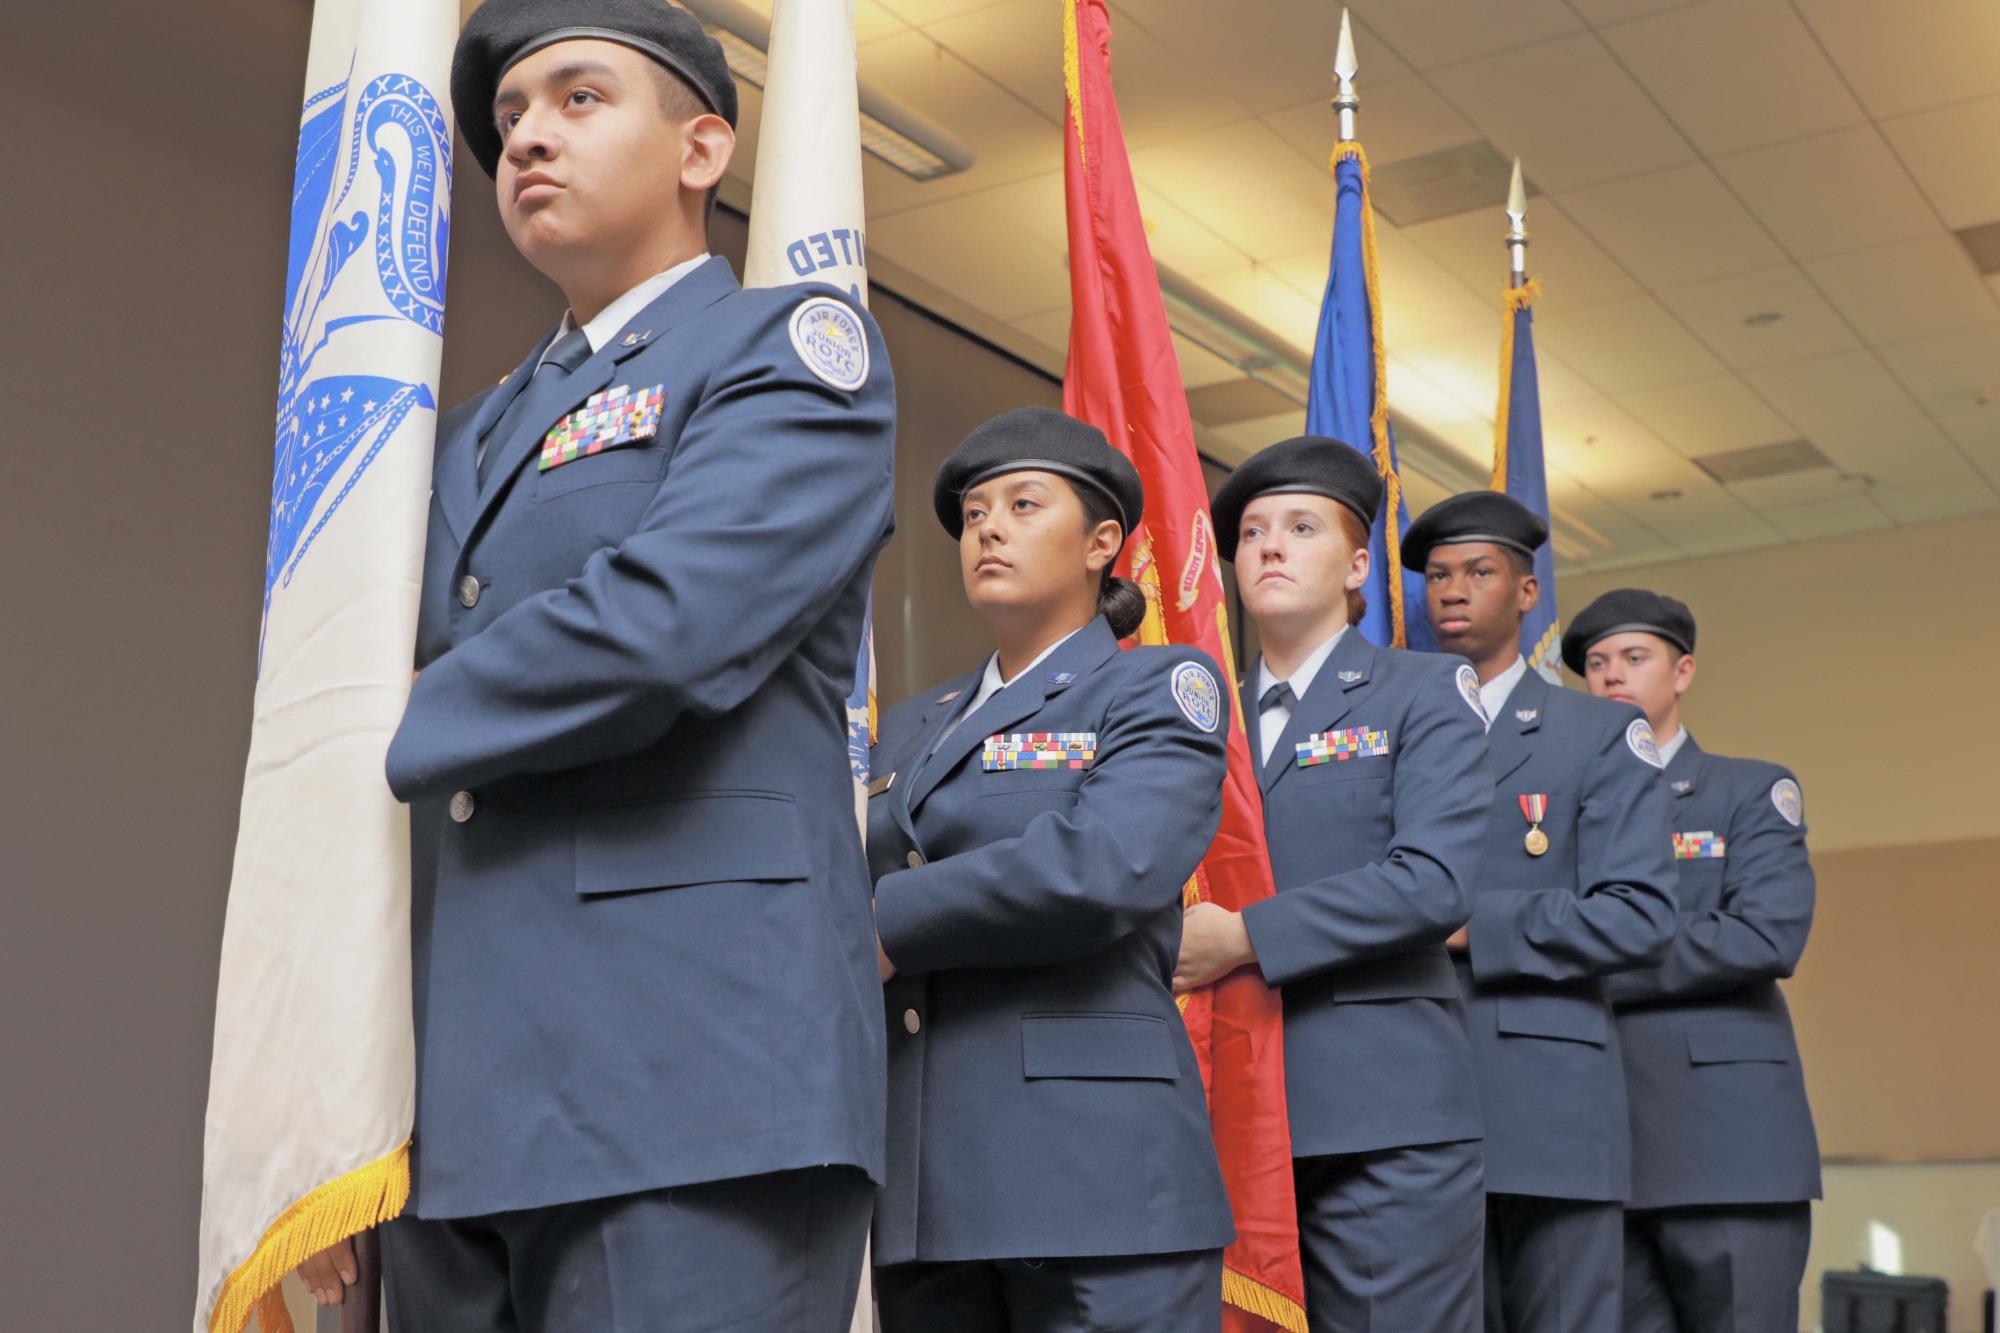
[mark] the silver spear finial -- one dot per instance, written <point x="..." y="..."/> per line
<point x="1345" y="100"/>
<point x="1517" y="228"/>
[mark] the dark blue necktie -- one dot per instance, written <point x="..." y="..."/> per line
<point x="1278" y="695"/>
<point x="543" y="395"/>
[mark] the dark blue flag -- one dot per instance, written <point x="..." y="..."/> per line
<point x="1518" y="470"/>
<point x="1348" y="400"/>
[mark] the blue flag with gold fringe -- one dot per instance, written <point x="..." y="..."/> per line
<point x="1519" y="469"/>
<point x="1349" y="400"/>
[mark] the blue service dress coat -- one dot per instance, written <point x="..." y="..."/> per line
<point x="1546" y="930"/>
<point x="643" y="949"/>
<point x="1376" y="800"/>
<point x="1719" y="1112"/>
<point x="1044" y="1097"/>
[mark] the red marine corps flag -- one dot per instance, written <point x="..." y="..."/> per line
<point x="1124" y="379"/>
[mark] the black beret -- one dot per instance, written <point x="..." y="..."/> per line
<point x="1621" y="611"/>
<point x="1474" y="516"/>
<point x="501" y="33"/>
<point x="1307" y="465"/>
<point x="1037" y="439"/>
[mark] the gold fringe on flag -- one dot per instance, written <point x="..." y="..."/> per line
<point x="1516" y="298"/>
<point x="1378" y="419"/>
<point x="345" y="1206"/>
<point x="1260" y="1300"/>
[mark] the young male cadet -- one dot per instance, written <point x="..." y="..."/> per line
<point x="1724" y="1157"/>
<point x="1376" y="801"/>
<point x="1577" y="886"/>
<point x="650" y="1047"/>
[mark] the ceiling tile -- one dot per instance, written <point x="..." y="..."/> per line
<point x="919" y="12"/>
<point x="1832" y="192"/>
<point x="1399" y="119"/>
<point x="1736" y="73"/>
<point x="1630" y="344"/>
<point x="1429" y="33"/>
<point x="1244" y="182"/>
<point x="1269" y="300"/>
<point x="1830" y="392"/>
<point x="1827" y="518"/>
<point x="1050" y="328"/>
<point x="1462" y="367"/>
<point x="1820" y="485"/>
<point x="1017" y="274"/>
<point x="871" y="21"/>
<point x="1009" y="140"/>
<point x="1707" y="416"/>
<point x="1895" y="292"/>
<point x="1949" y="373"/>
<point x="1590" y="529"/>
<point x="1601" y="12"/>
<point x="1250" y="436"/>
<point x="1976" y="432"/>
<point x="1572" y="269"/>
<point x="1930" y="501"/>
<point x="1950" y="152"/>
<point x="1284" y="58"/>
<point x="1716" y="311"/>
<point x="1180" y="241"/>
<point x="1901" y="447"/>
<point x="1913" y="54"/>
<point x="1421" y="298"/>
<point x="1019" y="45"/>
<point x="1672" y="227"/>
<point x="1567" y="109"/>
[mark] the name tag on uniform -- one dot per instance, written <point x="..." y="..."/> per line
<point x="606" y="420"/>
<point x="1337" y="747"/>
<point x="1039" y="749"/>
<point x="1700" y="847"/>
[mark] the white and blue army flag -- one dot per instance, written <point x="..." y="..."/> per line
<point x="312" y="1084"/>
<point x="806" y="225"/>
<point x="806" y="219"/>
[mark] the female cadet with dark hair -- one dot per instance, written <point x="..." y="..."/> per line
<point x="1030" y="828"/>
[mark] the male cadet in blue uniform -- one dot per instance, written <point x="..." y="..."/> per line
<point x="1724" y="1158"/>
<point x="1376" y="800"/>
<point x="1577" y="886"/>
<point x="649" y="1027"/>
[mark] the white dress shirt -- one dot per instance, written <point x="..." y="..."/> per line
<point x="1668" y="749"/>
<point x="1493" y="694"/>
<point x="620" y="312"/>
<point x="990" y="683"/>
<point x="1271" y="721"/>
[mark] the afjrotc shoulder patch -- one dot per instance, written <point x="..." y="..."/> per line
<point x="1038" y="750"/>
<point x="607" y="420"/>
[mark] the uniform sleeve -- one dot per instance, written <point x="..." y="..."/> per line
<point x="1421" y="890"/>
<point x="1075" y="881"/>
<point x="1622" y="914"/>
<point x="778" y="494"/>
<point x="1757" y="931"/>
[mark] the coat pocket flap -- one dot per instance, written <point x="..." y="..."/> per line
<point x="1733" y="1041"/>
<point x="1563" y="1017"/>
<point x="705" y="838"/>
<point x="1097" y="1046"/>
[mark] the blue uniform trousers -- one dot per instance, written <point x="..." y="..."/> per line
<point x="1728" y="1268"/>
<point x="1392" y="1239"/>
<point x="751" y="1255"/>
<point x="1552" y="1265"/>
<point x="1141" y="1293"/>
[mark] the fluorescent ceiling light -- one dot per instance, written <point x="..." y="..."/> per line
<point x="890" y="131"/>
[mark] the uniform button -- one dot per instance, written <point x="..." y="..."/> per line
<point x="468" y="591"/>
<point x="911" y="1022"/>
<point x="462" y="806"/>
<point x="914" y="860"/>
